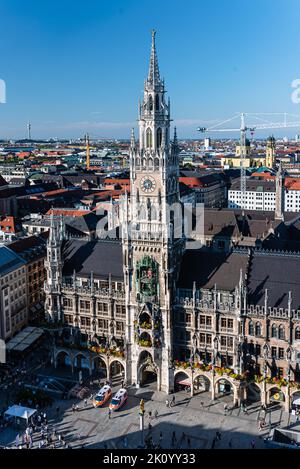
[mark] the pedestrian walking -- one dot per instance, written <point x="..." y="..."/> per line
<point x="202" y="404"/>
<point x="150" y="415"/>
<point x="218" y="435"/>
<point x="225" y="409"/>
<point x="77" y="408"/>
<point x="252" y="444"/>
<point x="109" y="413"/>
<point x="230" y="443"/>
<point x="189" y="443"/>
<point x="173" y="400"/>
<point x="213" y="443"/>
<point x="73" y="408"/>
<point x="167" y="403"/>
<point x="85" y="402"/>
<point x="156" y="414"/>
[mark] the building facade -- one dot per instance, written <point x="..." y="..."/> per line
<point x="13" y="293"/>
<point x="160" y="310"/>
<point x="264" y="194"/>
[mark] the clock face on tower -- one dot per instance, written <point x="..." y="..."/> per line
<point x="148" y="184"/>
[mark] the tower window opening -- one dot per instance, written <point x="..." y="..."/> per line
<point x="157" y="102"/>
<point x="158" y="136"/>
<point x="148" y="138"/>
<point x="150" y="103"/>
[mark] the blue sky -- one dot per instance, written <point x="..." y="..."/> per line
<point x="75" y="66"/>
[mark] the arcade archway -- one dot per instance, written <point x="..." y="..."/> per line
<point x="116" y="371"/>
<point x="253" y="393"/>
<point x="147" y="371"/>
<point x="63" y="359"/>
<point x="99" y="367"/>
<point x="201" y="384"/>
<point x="224" y="389"/>
<point x="182" y="382"/>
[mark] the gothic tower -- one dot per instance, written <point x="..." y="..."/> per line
<point x="270" y="152"/>
<point x="152" y="238"/>
<point x="53" y="265"/>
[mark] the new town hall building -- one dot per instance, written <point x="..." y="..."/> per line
<point x="158" y="308"/>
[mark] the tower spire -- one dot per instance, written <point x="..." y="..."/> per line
<point x="153" y="75"/>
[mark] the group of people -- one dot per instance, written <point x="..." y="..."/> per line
<point x="44" y="438"/>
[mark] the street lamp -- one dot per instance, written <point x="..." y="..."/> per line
<point x="192" y="372"/>
<point x="289" y="357"/>
<point x="265" y="355"/>
<point x="216" y="342"/>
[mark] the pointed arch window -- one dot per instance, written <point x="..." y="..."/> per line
<point x="143" y="213"/>
<point x="150" y="103"/>
<point x="153" y="213"/>
<point x="297" y="333"/>
<point x="258" y="329"/>
<point x="158" y="137"/>
<point x="156" y="102"/>
<point x="281" y="334"/>
<point x="148" y="138"/>
<point x="274" y="331"/>
<point x="251" y="328"/>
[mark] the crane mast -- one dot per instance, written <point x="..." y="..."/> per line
<point x="243" y="129"/>
<point x="243" y="157"/>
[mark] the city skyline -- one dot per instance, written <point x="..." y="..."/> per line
<point x="83" y="73"/>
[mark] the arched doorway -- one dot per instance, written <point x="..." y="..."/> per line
<point x="145" y="321"/>
<point x="182" y="382"/>
<point x="276" y="396"/>
<point x="63" y="359"/>
<point x="81" y="362"/>
<point x="201" y="384"/>
<point x="253" y="394"/>
<point x="147" y="371"/>
<point x="224" y="389"/>
<point x="116" y="372"/>
<point x="99" y="368"/>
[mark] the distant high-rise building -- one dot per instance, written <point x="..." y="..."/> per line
<point x="207" y="143"/>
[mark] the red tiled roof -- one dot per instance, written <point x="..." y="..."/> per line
<point x="67" y="212"/>
<point x="8" y="225"/>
